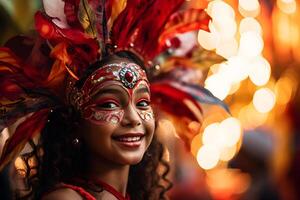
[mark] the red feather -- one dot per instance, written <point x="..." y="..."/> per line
<point x="167" y="98"/>
<point x="24" y="132"/>
<point x="71" y="10"/>
<point x="141" y="23"/>
<point x="185" y="21"/>
<point x="49" y="30"/>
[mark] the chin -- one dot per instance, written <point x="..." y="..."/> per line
<point x="132" y="159"/>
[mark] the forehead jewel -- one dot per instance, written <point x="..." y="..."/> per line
<point x="127" y="73"/>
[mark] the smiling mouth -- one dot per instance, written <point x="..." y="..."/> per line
<point x="129" y="140"/>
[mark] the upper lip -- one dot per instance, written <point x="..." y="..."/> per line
<point x="129" y="135"/>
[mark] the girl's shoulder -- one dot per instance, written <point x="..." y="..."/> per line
<point x="67" y="192"/>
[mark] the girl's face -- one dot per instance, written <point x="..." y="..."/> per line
<point x="118" y="119"/>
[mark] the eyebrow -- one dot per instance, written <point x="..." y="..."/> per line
<point x="106" y="91"/>
<point x="109" y="90"/>
<point x="116" y="91"/>
<point x="143" y="90"/>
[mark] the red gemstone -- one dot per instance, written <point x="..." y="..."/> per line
<point x="129" y="77"/>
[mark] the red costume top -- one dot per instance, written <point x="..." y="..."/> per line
<point x="86" y="195"/>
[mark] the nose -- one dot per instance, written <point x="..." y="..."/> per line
<point x="131" y="117"/>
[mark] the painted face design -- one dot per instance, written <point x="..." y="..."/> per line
<point x="127" y="76"/>
<point x="100" y="117"/>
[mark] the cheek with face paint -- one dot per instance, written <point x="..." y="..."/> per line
<point x="101" y="117"/>
<point x="146" y="115"/>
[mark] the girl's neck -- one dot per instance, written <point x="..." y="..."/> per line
<point x="115" y="175"/>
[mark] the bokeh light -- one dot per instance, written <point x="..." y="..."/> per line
<point x="213" y="84"/>
<point x="20" y="166"/>
<point x="260" y="71"/>
<point x="231" y="127"/>
<point x="228" y="153"/>
<point x="208" y="157"/>
<point x="251" y="44"/>
<point x="287" y="6"/>
<point x="208" y="40"/>
<point x="219" y="8"/>
<point x="284" y="90"/>
<point x="249" y="8"/>
<point x="250" y="24"/>
<point x="227" y="47"/>
<point x="264" y="100"/>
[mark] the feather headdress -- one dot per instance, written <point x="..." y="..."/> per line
<point x="73" y="34"/>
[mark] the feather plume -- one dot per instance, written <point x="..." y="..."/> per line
<point x="117" y="6"/>
<point x="24" y="132"/>
<point x="92" y="17"/>
<point x="184" y="21"/>
<point x="87" y="18"/>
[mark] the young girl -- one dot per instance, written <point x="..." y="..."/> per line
<point x="84" y="86"/>
<point x="90" y="156"/>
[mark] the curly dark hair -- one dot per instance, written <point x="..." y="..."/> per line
<point x="61" y="160"/>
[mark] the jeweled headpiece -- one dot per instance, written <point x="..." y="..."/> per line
<point x="129" y="74"/>
<point x="37" y="73"/>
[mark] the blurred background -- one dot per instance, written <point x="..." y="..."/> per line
<point x="254" y="154"/>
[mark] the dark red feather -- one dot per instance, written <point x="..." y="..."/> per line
<point x="171" y="100"/>
<point x="141" y="23"/>
<point x="25" y="131"/>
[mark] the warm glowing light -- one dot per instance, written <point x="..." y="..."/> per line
<point x="282" y="27"/>
<point x="219" y="8"/>
<point x="210" y="134"/>
<point x="284" y="90"/>
<point x="287" y="6"/>
<point x="250" y="118"/>
<point x="249" y="4"/>
<point x="237" y="69"/>
<point x="20" y="166"/>
<point x="260" y="71"/>
<point x="249" y="8"/>
<point x="208" y="40"/>
<point x="218" y="85"/>
<point x="227" y="47"/>
<point x="250" y="24"/>
<point x="264" y="100"/>
<point x="226" y="26"/>
<point x="224" y="134"/>
<point x="227" y="153"/>
<point x="227" y="183"/>
<point x="251" y="44"/>
<point x="208" y="157"/>
<point x="231" y="127"/>
<point x="231" y="74"/>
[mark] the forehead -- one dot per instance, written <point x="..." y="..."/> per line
<point x="129" y="74"/>
<point x="115" y="88"/>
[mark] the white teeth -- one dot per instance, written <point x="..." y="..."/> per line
<point x="129" y="139"/>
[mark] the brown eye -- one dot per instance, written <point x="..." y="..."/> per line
<point x="108" y="105"/>
<point x="143" y="103"/>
